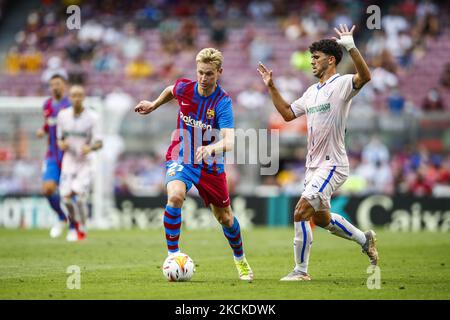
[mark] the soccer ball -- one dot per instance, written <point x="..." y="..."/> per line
<point x="178" y="267"/>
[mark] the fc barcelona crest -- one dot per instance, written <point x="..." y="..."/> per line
<point x="210" y="114"/>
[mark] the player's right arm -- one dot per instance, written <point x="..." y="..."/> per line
<point x="145" y="106"/>
<point x="282" y="106"/>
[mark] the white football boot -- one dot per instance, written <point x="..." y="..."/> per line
<point x="72" y="235"/>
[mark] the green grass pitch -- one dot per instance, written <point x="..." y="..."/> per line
<point x="127" y="265"/>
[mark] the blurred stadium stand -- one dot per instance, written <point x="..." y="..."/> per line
<point x="399" y="125"/>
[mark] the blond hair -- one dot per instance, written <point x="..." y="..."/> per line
<point x="210" y="55"/>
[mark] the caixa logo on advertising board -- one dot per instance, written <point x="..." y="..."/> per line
<point x="400" y="213"/>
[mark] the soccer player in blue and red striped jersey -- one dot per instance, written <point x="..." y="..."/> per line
<point x="205" y="130"/>
<point x="53" y="157"/>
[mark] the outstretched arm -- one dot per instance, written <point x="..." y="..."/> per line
<point x="145" y="107"/>
<point x="362" y="75"/>
<point x="282" y="106"/>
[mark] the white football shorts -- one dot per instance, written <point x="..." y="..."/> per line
<point x="76" y="179"/>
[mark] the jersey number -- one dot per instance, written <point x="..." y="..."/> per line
<point x="174" y="167"/>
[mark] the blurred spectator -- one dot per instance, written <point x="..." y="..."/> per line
<point x="91" y="30"/>
<point x="376" y="45"/>
<point x="187" y="34"/>
<point x="393" y="23"/>
<point x="375" y="151"/>
<point x="383" y="181"/>
<point x="167" y="35"/>
<point x="442" y="173"/>
<point x="111" y="36"/>
<point x="32" y="60"/>
<point x="139" y="68"/>
<point x="425" y="8"/>
<point x="382" y="78"/>
<point x="260" y="9"/>
<point x="168" y="71"/>
<point x="341" y="16"/>
<point x="420" y="186"/>
<point x="401" y="47"/>
<point x="301" y="60"/>
<point x="133" y="44"/>
<point x="288" y="129"/>
<point x="433" y="101"/>
<point x="445" y="77"/>
<point x="430" y="26"/>
<point x="105" y="60"/>
<point x="377" y="175"/>
<point x="13" y="61"/>
<point x="313" y="24"/>
<point x="54" y="66"/>
<point x="289" y="86"/>
<point x="253" y="98"/>
<point x="28" y="61"/>
<point x="396" y="102"/>
<point x="260" y="50"/>
<point x="218" y="33"/>
<point x="292" y="27"/>
<point x="74" y="50"/>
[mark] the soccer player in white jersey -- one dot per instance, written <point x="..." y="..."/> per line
<point x="78" y="136"/>
<point x="326" y="105"/>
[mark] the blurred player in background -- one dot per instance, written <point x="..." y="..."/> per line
<point x="326" y="105"/>
<point x="53" y="157"/>
<point x="205" y="109"/>
<point x="78" y="136"/>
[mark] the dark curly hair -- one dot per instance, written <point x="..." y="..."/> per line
<point x="329" y="47"/>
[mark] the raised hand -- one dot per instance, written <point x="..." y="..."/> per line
<point x="346" y="36"/>
<point x="144" y="107"/>
<point x="266" y="75"/>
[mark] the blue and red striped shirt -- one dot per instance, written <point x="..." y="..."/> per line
<point x="200" y="120"/>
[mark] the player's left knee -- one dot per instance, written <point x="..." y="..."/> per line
<point x="226" y="219"/>
<point x="49" y="188"/>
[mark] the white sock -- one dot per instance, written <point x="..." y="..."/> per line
<point x="302" y="245"/>
<point x="70" y="209"/>
<point x="344" y="229"/>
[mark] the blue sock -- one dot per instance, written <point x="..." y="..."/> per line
<point x="233" y="234"/>
<point x="172" y="226"/>
<point x="55" y="203"/>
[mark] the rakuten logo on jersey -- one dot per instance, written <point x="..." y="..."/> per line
<point x="189" y="121"/>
